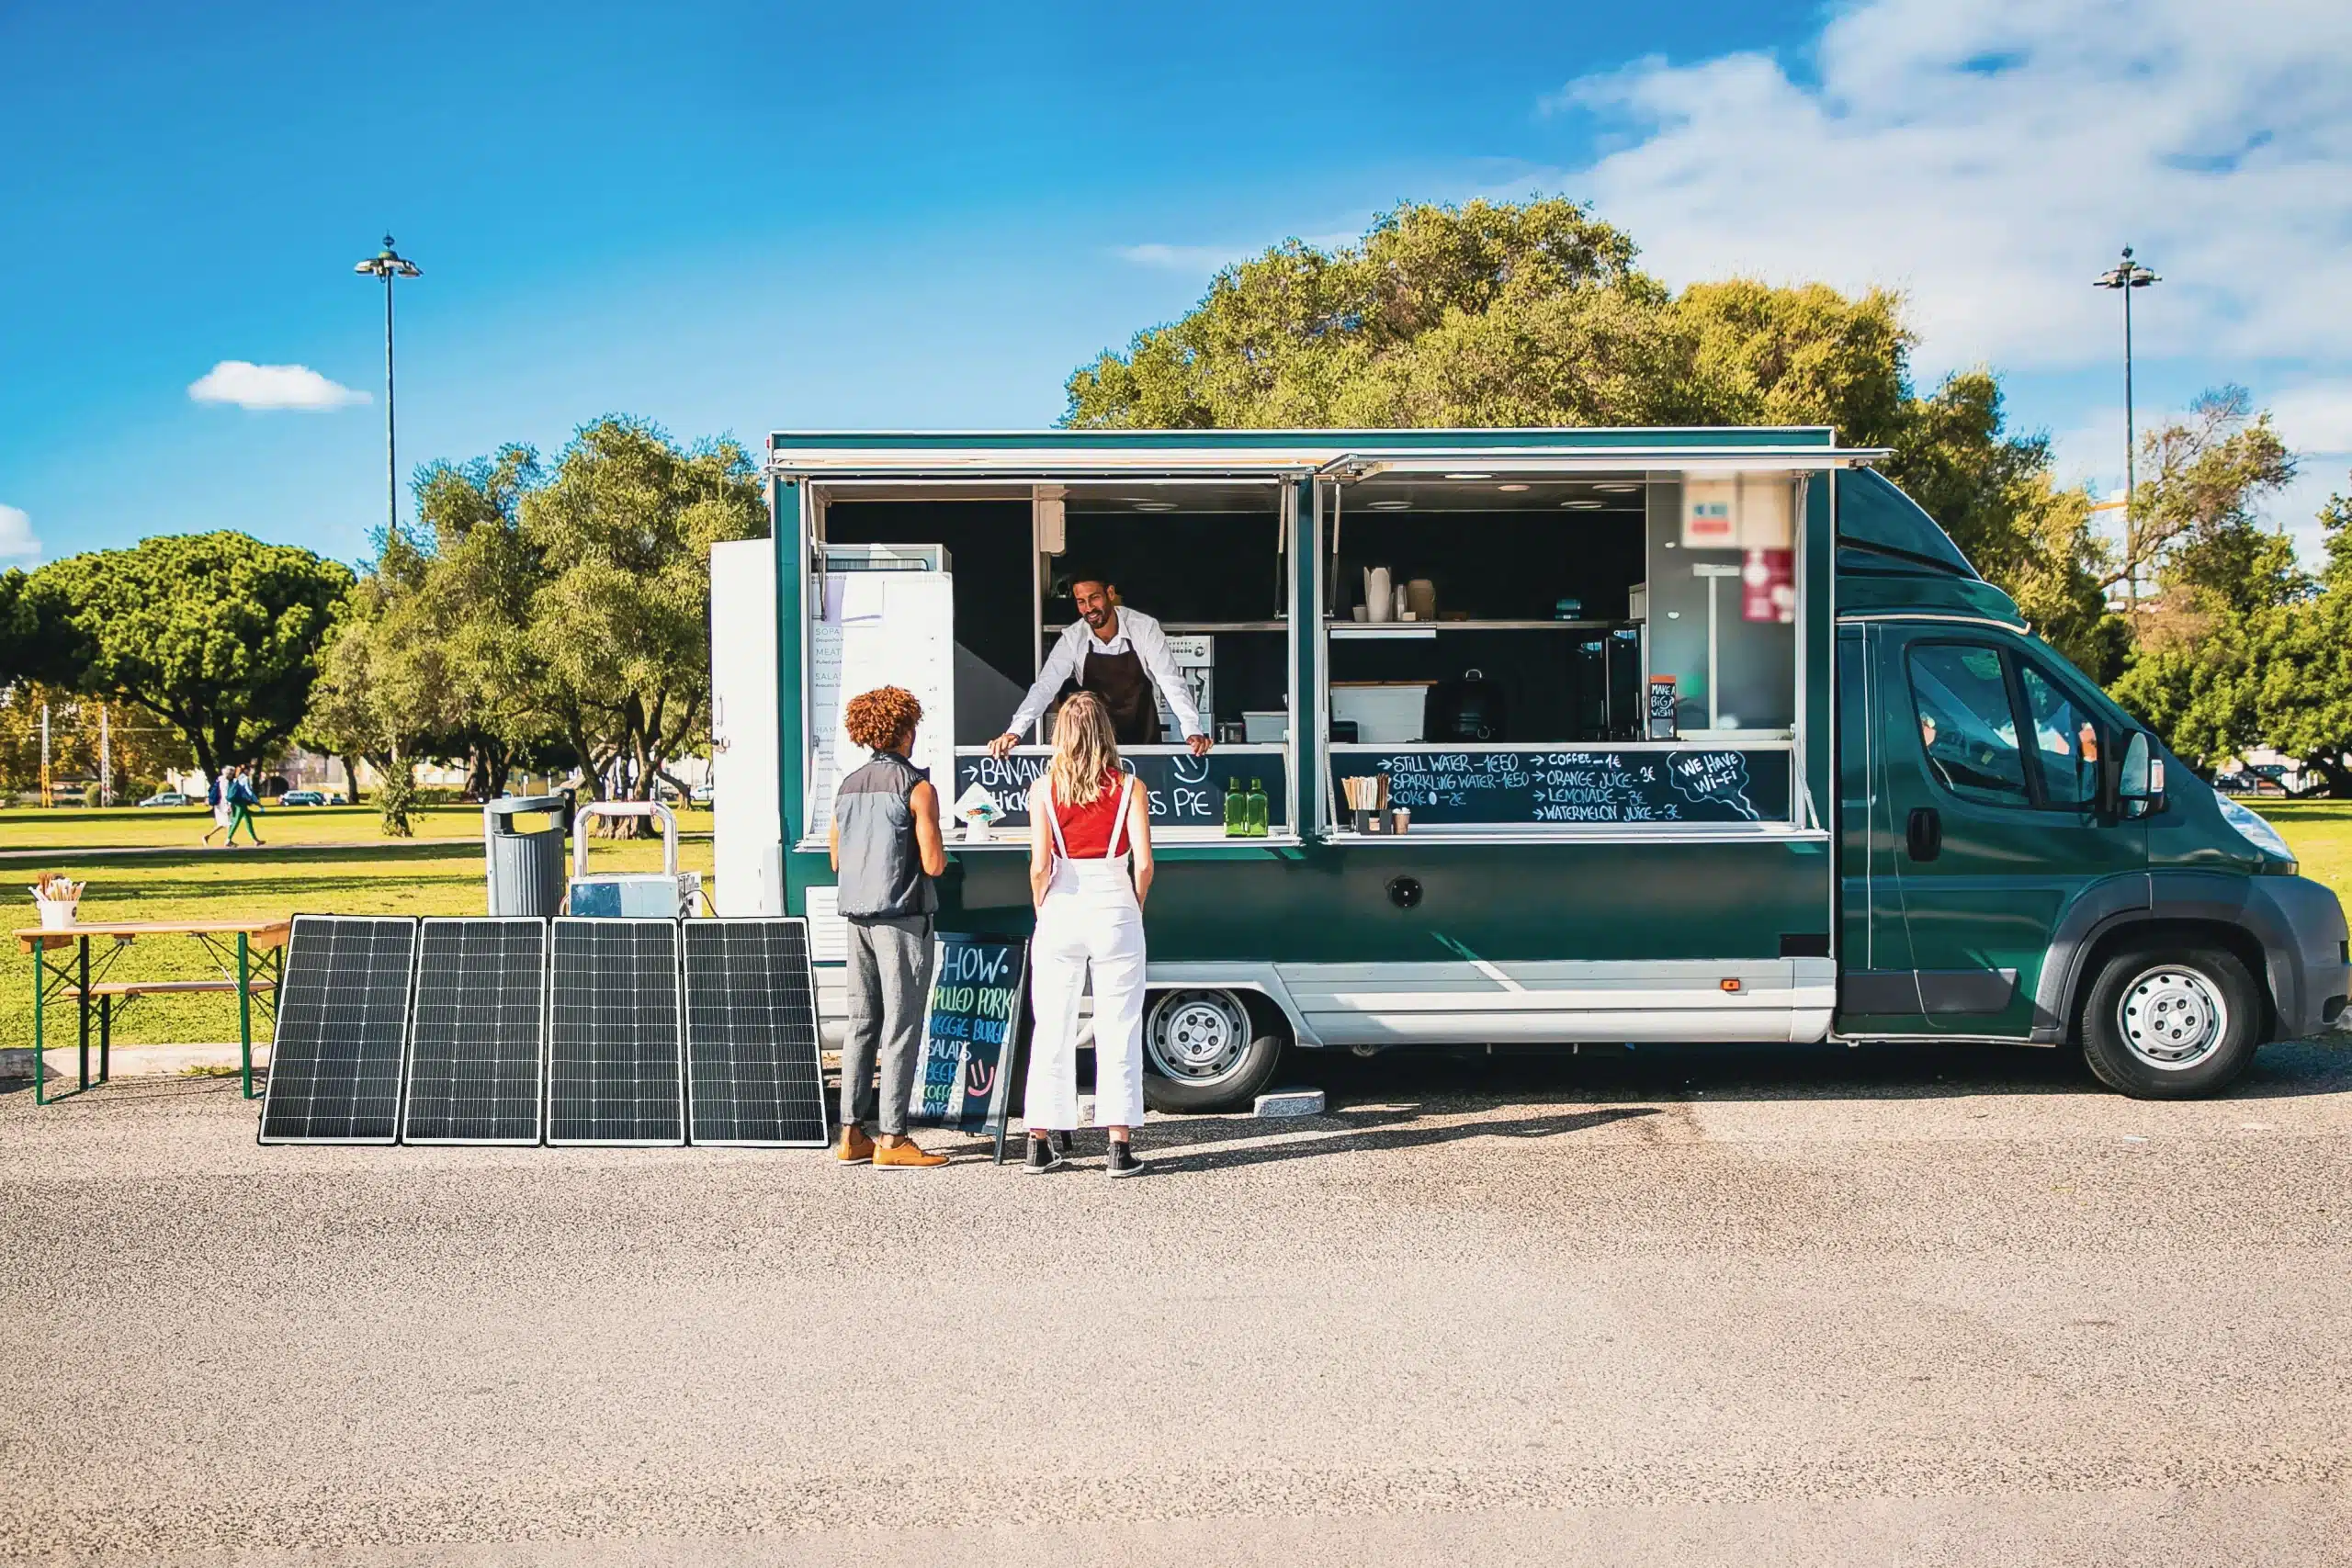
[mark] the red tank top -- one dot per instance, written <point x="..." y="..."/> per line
<point x="1086" y="830"/>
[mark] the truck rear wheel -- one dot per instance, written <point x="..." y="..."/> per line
<point x="2166" y="1023"/>
<point x="1209" y="1050"/>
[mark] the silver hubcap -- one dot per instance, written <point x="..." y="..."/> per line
<point x="2172" y="1018"/>
<point x="1197" y="1037"/>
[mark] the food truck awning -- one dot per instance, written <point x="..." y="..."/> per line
<point x="1140" y="454"/>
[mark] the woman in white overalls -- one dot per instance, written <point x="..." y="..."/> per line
<point x="1090" y="871"/>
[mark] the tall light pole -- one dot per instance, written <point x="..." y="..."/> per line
<point x="2125" y="276"/>
<point x="388" y="265"/>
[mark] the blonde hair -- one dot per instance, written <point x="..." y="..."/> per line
<point x="1085" y="750"/>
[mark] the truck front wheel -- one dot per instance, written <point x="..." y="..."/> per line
<point x="2166" y="1023"/>
<point x="1209" y="1050"/>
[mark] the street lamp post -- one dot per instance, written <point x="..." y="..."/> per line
<point x="2125" y="276"/>
<point x="388" y="265"/>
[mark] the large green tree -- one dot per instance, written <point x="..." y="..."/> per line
<point x="619" y="623"/>
<point x="384" y="690"/>
<point x="217" y="635"/>
<point x="1495" y="314"/>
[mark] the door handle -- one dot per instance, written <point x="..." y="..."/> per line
<point x="1923" y="834"/>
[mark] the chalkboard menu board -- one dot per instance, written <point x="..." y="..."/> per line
<point x="969" y="1035"/>
<point x="1185" y="790"/>
<point x="1486" y="786"/>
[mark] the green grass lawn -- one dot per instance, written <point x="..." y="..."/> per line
<point x="370" y="877"/>
<point x="132" y="827"/>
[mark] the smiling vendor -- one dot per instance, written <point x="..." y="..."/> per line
<point x="1120" y="655"/>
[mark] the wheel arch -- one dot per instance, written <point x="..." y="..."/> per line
<point x="2165" y="925"/>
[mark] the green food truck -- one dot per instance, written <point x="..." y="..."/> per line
<point x="1520" y="737"/>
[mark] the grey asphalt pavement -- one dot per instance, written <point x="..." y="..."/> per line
<point x="1679" y="1306"/>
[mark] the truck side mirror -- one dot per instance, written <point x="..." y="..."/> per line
<point x="2139" y="778"/>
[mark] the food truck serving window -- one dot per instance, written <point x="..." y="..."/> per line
<point x="1548" y="653"/>
<point x="1188" y="582"/>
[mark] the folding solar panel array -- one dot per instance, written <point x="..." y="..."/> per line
<point x="579" y="1032"/>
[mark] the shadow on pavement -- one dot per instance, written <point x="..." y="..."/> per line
<point x="1361" y="1132"/>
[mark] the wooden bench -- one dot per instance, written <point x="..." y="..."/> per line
<point x="105" y="992"/>
<point x="161" y="988"/>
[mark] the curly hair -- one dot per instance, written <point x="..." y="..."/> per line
<point x="878" y="717"/>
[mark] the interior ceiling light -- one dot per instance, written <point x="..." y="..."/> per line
<point x="1513" y="489"/>
<point x="1618" y="489"/>
<point x="1388" y="505"/>
<point x="1469" y="475"/>
<point x="1155" y="506"/>
<point x="1584" y="505"/>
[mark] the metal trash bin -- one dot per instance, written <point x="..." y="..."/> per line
<point x="525" y="870"/>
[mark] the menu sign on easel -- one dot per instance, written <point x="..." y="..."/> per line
<point x="971" y="1035"/>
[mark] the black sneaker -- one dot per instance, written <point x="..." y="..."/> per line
<point x="1043" y="1157"/>
<point x="1121" y="1160"/>
<point x="1060" y="1141"/>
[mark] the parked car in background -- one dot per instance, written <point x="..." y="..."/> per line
<point x="2233" y="783"/>
<point x="301" y="797"/>
<point x="700" y="795"/>
<point x="169" y="797"/>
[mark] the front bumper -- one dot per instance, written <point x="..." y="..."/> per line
<point x="2310" y="976"/>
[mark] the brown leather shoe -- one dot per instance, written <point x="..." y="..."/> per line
<point x="855" y="1148"/>
<point x="904" y="1157"/>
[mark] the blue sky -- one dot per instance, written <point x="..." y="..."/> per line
<point x="734" y="219"/>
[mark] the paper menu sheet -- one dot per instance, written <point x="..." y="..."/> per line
<point x="879" y="628"/>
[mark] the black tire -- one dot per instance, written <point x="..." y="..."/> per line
<point x="1209" y="1049"/>
<point x="2171" y="1022"/>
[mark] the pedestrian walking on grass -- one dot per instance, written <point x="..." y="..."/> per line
<point x="1090" y="871"/>
<point x="243" y="804"/>
<point x="216" y="796"/>
<point x="887" y="849"/>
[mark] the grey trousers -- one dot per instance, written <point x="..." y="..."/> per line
<point x="889" y="988"/>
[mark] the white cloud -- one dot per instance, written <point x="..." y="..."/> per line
<point x="16" y="540"/>
<point x="251" y="386"/>
<point x="1990" y="158"/>
<point x="2315" y="417"/>
<point x="1181" y="258"/>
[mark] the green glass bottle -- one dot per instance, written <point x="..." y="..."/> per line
<point x="1257" y="808"/>
<point x="1237" y="810"/>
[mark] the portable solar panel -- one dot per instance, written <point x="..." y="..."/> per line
<point x="477" y="1037"/>
<point x="752" y="1076"/>
<point x="334" y="1062"/>
<point x="614" y="1066"/>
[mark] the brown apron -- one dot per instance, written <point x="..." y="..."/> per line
<point x="1126" y="691"/>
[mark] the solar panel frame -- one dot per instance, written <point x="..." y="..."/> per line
<point x="317" y="953"/>
<point x="430" y="1058"/>
<point x="584" y="993"/>
<point x="778" y="948"/>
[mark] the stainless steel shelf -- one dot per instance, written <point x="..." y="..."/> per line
<point x="1179" y="628"/>
<point x="1392" y="629"/>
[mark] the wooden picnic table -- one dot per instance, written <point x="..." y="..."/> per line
<point x="254" y="949"/>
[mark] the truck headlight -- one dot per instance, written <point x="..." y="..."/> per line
<point x="2254" y="829"/>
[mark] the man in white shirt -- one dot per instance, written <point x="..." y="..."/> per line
<point x="1120" y="655"/>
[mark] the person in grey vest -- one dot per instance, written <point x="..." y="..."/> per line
<point x="885" y="848"/>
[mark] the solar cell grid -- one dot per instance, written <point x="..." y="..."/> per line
<point x="335" y="1058"/>
<point x="754" y="1076"/>
<point x="477" y="1035"/>
<point x="615" y="1069"/>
